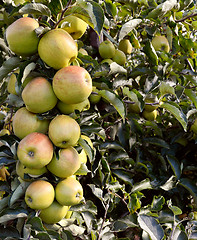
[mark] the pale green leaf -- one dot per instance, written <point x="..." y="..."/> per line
<point x="128" y="27"/>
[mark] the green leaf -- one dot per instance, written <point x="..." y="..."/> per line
<point x="176" y="210"/>
<point x="180" y="235"/>
<point x="165" y="88"/>
<point x="8" y="66"/>
<point x="88" y="150"/>
<point x="190" y="186"/>
<point x="35" y="8"/>
<point x="128" y="27"/>
<point x="157" y="141"/>
<point x="9" y="231"/>
<point x="144" y="184"/>
<point x="134" y="203"/>
<point x="177" y="113"/>
<point x="115" y="101"/>
<point x="124" y="223"/>
<point x="43" y="236"/>
<point x="11" y="214"/>
<point x="151" y="226"/>
<point x="151" y="53"/>
<point x="157" y="203"/>
<point x="96" y="191"/>
<point x="175" y="165"/>
<point x="36" y="223"/>
<point x="111" y="8"/>
<point x="84" y="207"/>
<point x="192" y="95"/>
<point x="83" y="170"/>
<point x="124" y="176"/>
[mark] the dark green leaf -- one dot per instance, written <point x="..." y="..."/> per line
<point x="190" y="186"/>
<point x="87" y="148"/>
<point x="157" y="141"/>
<point x="9" y="231"/>
<point x="10" y="214"/>
<point x="175" y="165"/>
<point x="192" y="95"/>
<point x="35" y="8"/>
<point x="36" y="223"/>
<point x="144" y="184"/>
<point x="8" y="66"/>
<point x="157" y="203"/>
<point x="124" y="176"/>
<point x="151" y="53"/>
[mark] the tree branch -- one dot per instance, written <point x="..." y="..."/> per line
<point x="183" y="19"/>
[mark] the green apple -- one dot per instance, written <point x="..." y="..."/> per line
<point x="134" y="107"/>
<point x="94" y="96"/>
<point x="151" y="103"/>
<point x="57" y="48"/>
<point x="74" y="25"/>
<point x="70" y="108"/>
<point x="21" y="36"/>
<point x="54" y="213"/>
<point x="83" y="51"/>
<point x="69" y="192"/>
<point x="160" y="43"/>
<point x="125" y="46"/>
<point x="22" y="170"/>
<point x="119" y="57"/>
<point x="107" y="49"/>
<point x="150" y="116"/>
<point x="82" y="154"/>
<point x="12" y="82"/>
<point x="35" y="150"/>
<point x="25" y="122"/>
<point x="39" y="194"/>
<point x="65" y="164"/>
<point x="72" y="84"/>
<point x="38" y="95"/>
<point x="64" y="131"/>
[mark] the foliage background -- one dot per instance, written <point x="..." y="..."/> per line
<point x="140" y="180"/>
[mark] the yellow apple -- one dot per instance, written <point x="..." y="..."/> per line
<point x="70" y="108"/>
<point x="65" y="164"/>
<point x="21" y="36"/>
<point x="150" y="116"/>
<point x="72" y="84"/>
<point x="107" y="49"/>
<point x="38" y="95"/>
<point x="119" y="57"/>
<point x="54" y="213"/>
<point x="69" y="192"/>
<point x="35" y="150"/>
<point x="39" y="194"/>
<point x="64" y="131"/>
<point x="22" y="171"/>
<point x="25" y="122"/>
<point x="160" y="43"/>
<point x="57" y="48"/>
<point x="125" y="46"/>
<point x="74" y="25"/>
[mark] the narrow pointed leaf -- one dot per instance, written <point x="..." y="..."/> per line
<point x="128" y="27"/>
<point x="175" y="165"/>
<point x="192" y="95"/>
<point x="151" y="53"/>
<point x="190" y="186"/>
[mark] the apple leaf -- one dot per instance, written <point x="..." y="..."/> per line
<point x="157" y="203"/>
<point x="151" y="53"/>
<point x="35" y="8"/>
<point x="8" y="66"/>
<point x="175" y="165"/>
<point x="192" y="95"/>
<point x="9" y="231"/>
<point x="128" y="27"/>
<point x="151" y="226"/>
<point x="83" y="170"/>
<point x="190" y="186"/>
<point x="110" y="8"/>
<point x="87" y="148"/>
<point x="11" y="214"/>
<point x="144" y="184"/>
<point x="177" y="113"/>
<point x="166" y="88"/>
<point x="115" y="101"/>
<point x="157" y="142"/>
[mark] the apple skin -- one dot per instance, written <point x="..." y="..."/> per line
<point x="21" y="36"/>
<point x="72" y="84"/>
<point x="107" y="49"/>
<point x="21" y="170"/>
<point x="94" y="96"/>
<point x="119" y="57"/>
<point x="57" y="48"/>
<point x="160" y="43"/>
<point x="54" y="213"/>
<point x="69" y="192"/>
<point x="125" y="46"/>
<point x="70" y="108"/>
<point x="39" y="194"/>
<point x="66" y="164"/>
<point x="25" y="122"/>
<point x="38" y="95"/>
<point x="35" y="150"/>
<point x="134" y="107"/>
<point x="64" y="131"/>
<point x="150" y="116"/>
<point x="75" y="26"/>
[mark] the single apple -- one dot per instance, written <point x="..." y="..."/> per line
<point x="70" y="108"/>
<point x="134" y="107"/>
<point x="107" y="49"/>
<point x="94" y="96"/>
<point x="151" y="103"/>
<point x="160" y="43"/>
<point x="25" y="122"/>
<point x="64" y="131"/>
<point x="69" y="192"/>
<point x="125" y="46"/>
<point x="74" y="25"/>
<point x="23" y="171"/>
<point x="119" y="57"/>
<point x="150" y="116"/>
<point x="72" y="84"/>
<point x="38" y="95"/>
<point x="21" y="36"/>
<point x="35" y="150"/>
<point x="39" y="194"/>
<point x="65" y="164"/>
<point x="12" y="82"/>
<point x="57" y="48"/>
<point x="82" y="154"/>
<point x="54" y="213"/>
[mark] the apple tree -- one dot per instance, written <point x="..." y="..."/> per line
<point x="140" y="177"/>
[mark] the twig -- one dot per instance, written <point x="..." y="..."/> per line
<point x="183" y="19"/>
<point x="62" y="14"/>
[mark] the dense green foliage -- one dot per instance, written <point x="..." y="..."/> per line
<point x="140" y="180"/>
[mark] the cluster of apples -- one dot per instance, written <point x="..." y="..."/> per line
<point x="50" y="145"/>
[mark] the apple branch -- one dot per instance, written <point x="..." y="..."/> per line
<point x="187" y="17"/>
<point x="62" y="13"/>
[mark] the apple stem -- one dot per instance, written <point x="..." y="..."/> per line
<point x="62" y="14"/>
<point x="31" y="153"/>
